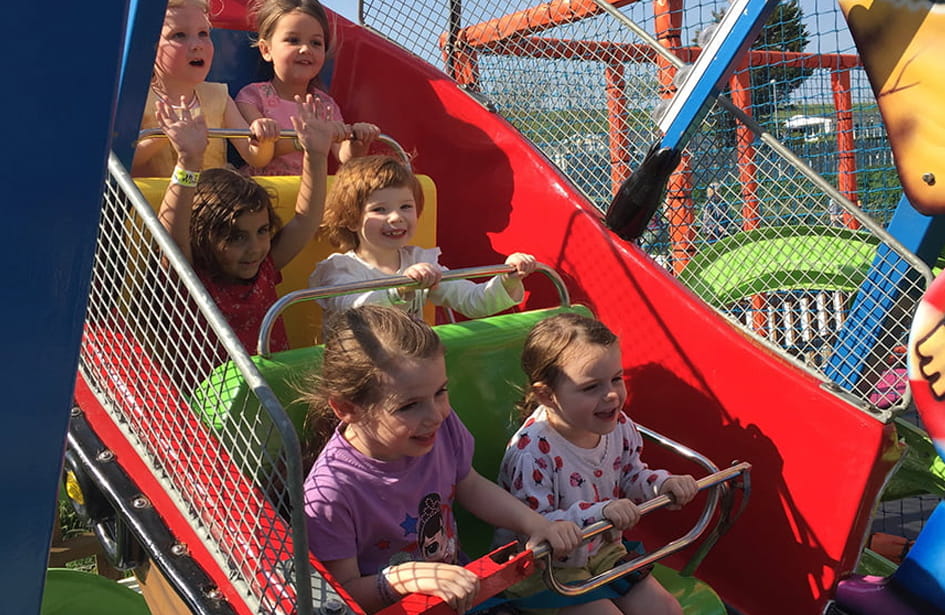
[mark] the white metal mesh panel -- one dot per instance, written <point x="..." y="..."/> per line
<point x="223" y="449"/>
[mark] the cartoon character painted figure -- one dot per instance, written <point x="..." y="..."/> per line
<point x="434" y="540"/>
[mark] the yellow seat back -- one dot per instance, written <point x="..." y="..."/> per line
<point x="304" y="321"/>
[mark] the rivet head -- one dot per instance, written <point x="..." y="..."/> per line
<point x="333" y="606"/>
<point x="140" y="502"/>
<point x="105" y="456"/>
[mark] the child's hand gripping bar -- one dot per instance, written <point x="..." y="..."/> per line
<point x="713" y="480"/>
<point x="399" y="281"/>
<point x="238" y="133"/>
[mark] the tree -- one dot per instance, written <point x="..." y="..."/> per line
<point x="771" y="84"/>
<point x="784" y="31"/>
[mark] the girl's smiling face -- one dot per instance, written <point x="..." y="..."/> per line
<point x="388" y="222"/>
<point x="414" y="403"/>
<point x="296" y="49"/>
<point x="586" y="398"/>
<point x="247" y="245"/>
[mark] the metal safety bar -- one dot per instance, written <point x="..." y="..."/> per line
<point x="238" y="133"/>
<point x="398" y="281"/>
<point x="716" y="479"/>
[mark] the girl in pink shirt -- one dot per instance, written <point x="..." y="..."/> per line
<point x="295" y="37"/>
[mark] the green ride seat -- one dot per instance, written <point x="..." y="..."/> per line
<point x="482" y="361"/>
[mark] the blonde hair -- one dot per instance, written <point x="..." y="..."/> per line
<point x="176" y="4"/>
<point x="355" y="181"/>
<point x="547" y="349"/>
<point x="361" y="344"/>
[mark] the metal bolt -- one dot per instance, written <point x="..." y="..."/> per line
<point x="333" y="606"/>
<point x="140" y="502"/>
<point x="105" y="456"/>
<point x="179" y="549"/>
<point x="76" y="411"/>
<point x="213" y="594"/>
<point x="929" y="178"/>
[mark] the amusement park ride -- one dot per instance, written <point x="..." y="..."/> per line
<point x="778" y="352"/>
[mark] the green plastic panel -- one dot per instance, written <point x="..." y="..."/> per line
<point x="921" y="472"/>
<point x="482" y="360"/>
<point x="779" y="258"/>
<point x="73" y="592"/>
<point x="696" y="597"/>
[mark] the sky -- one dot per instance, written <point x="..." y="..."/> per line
<point x="345" y="8"/>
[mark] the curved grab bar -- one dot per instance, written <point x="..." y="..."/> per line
<point x="235" y="133"/>
<point x="715" y="479"/>
<point x="397" y="281"/>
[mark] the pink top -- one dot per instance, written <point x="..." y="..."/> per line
<point x="263" y="96"/>
<point x="245" y="304"/>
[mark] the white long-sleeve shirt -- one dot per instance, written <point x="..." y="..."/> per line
<point x="468" y="298"/>
<point x="562" y="481"/>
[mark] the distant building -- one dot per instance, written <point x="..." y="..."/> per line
<point x="810" y="128"/>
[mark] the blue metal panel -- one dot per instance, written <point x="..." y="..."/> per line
<point x="734" y="35"/>
<point x="142" y="34"/>
<point x="921" y="234"/>
<point x="922" y="572"/>
<point x="63" y="59"/>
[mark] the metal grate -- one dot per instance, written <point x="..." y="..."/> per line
<point x="793" y="261"/>
<point x="173" y="377"/>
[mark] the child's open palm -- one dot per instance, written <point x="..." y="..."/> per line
<point x="316" y="132"/>
<point x="187" y="134"/>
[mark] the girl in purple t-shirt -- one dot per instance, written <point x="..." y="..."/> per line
<point x="379" y="498"/>
<point x="295" y="37"/>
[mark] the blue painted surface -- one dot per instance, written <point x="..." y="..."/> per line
<point x="869" y="314"/>
<point x="922" y="571"/>
<point x="712" y="75"/>
<point x="142" y="34"/>
<point x="64" y="59"/>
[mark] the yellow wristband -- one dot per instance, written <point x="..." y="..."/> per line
<point x="185" y="178"/>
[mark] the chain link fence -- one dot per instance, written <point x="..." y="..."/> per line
<point x="790" y="247"/>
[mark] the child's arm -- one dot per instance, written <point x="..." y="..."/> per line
<point x="145" y="150"/>
<point x="639" y="482"/>
<point x="476" y="300"/>
<point x="525" y="264"/>
<point x="188" y="137"/>
<point x="316" y="135"/>
<point x="362" y="136"/>
<point x="453" y="584"/>
<point x="498" y="507"/>
<point x="259" y="150"/>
